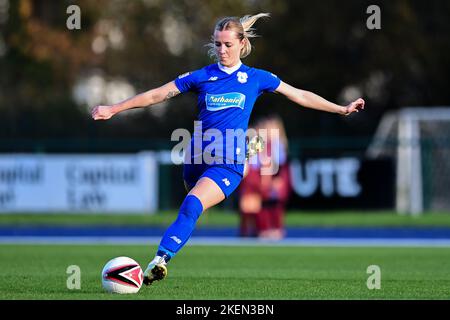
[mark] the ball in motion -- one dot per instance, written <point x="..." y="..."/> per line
<point x="122" y="275"/>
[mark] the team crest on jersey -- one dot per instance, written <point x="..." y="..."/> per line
<point x="184" y="75"/>
<point x="242" y="77"/>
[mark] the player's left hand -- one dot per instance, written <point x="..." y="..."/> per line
<point x="102" y="112"/>
<point x="355" y="106"/>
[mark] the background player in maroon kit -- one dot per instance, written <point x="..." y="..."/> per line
<point x="264" y="197"/>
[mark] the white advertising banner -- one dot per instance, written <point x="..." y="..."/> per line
<point x="79" y="183"/>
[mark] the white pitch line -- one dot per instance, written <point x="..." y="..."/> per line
<point x="227" y="241"/>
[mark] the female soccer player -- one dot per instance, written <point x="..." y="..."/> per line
<point x="227" y="91"/>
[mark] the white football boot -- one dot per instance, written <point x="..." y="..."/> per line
<point x="156" y="270"/>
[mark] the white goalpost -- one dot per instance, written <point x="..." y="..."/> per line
<point x="418" y="138"/>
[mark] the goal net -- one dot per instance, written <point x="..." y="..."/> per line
<point x="419" y="140"/>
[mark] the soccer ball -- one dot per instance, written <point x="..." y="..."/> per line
<point x="122" y="275"/>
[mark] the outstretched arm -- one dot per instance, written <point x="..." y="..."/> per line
<point x="147" y="98"/>
<point x="311" y="100"/>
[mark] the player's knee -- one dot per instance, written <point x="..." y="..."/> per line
<point x="191" y="208"/>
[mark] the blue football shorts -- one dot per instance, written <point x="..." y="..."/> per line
<point x="226" y="176"/>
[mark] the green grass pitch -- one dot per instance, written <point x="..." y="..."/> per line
<point x="232" y="273"/>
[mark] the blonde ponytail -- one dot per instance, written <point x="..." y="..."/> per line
<point x="247" y="22"/>
<point x="242" y="27"/>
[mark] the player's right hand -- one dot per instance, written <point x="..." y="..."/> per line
<point x="102" y="112"/>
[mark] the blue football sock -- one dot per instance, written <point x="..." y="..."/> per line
<point x="180" y="231"/>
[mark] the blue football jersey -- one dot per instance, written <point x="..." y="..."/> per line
<point x="225" y="102"/>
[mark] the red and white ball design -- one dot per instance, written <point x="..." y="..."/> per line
<point x="122" y="275"/>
